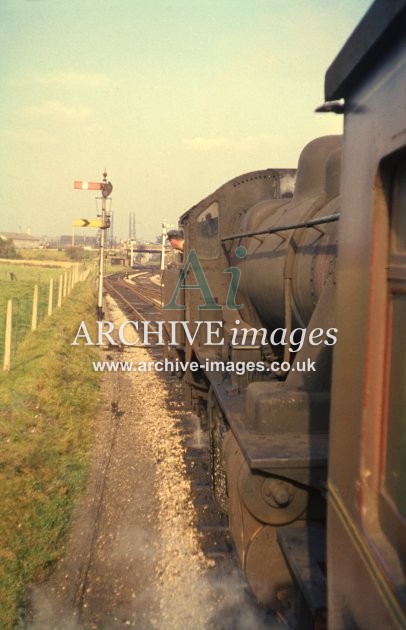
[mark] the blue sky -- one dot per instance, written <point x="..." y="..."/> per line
<point x="173" y="97"/>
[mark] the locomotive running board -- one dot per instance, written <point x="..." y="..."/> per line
<point x="300" y="451"/>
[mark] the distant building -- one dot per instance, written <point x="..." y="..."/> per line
<point x="22" y="240"/>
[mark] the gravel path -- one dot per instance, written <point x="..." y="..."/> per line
<point x="133" y="557"/>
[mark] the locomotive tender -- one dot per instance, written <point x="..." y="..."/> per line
<point x="318" y="250"/>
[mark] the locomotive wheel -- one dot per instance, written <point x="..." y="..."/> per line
<point x="255" y="542"/>
<point x="265" y="568"/>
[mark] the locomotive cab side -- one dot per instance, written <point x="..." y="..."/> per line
<point x="367" y="465"/>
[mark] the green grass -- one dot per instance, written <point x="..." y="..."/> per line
<point x="24" y="272"/>
<point x="43" y="254"/>
<point x="48" y="402"/>
<point x="17" y="283"/>
<point x="54" y="254"/>
<point x="109" y="268"/>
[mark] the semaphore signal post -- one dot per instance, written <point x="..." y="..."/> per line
<point x="103" y="223"/>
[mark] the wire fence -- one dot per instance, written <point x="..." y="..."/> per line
<point x="33" y="301"/>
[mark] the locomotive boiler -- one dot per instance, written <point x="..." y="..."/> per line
<point x="302" y="391"/>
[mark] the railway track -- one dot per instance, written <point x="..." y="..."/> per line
<point x="140" y="299"/>
<point x="136" y="295"/>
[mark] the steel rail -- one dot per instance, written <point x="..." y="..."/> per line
<point x="134" y="309"/>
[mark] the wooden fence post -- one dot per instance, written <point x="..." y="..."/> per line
<point x="51" y="296"/>
<point x="65" y="284"/>
<point x="7" y="340"/>
<point x="60" y="292"/>
<point x="34" y="319"/>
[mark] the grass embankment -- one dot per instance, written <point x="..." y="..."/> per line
<point x="48" y="402"/>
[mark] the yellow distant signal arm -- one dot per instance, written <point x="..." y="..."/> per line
<point x="94" y="223"/>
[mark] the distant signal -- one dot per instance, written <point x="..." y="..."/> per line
<point x="95" y="223"/>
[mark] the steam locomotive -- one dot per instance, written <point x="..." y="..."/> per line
<point x="302" y="274"/>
